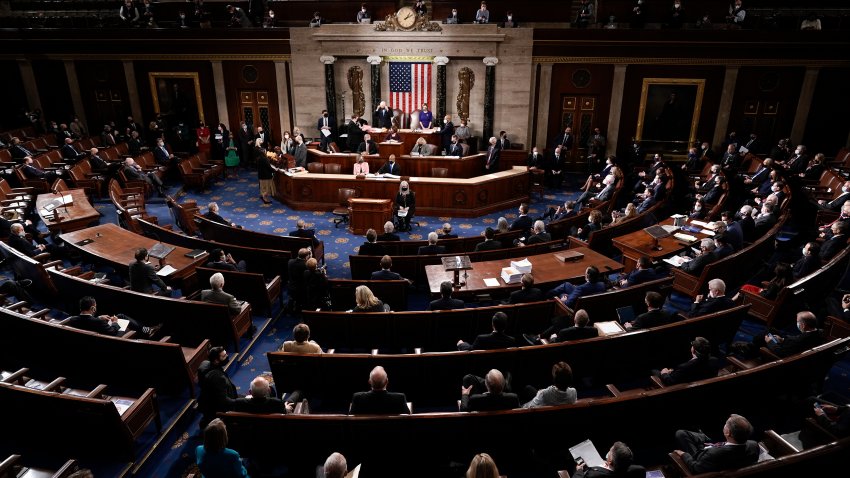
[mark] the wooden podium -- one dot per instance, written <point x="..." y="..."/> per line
<point x="365" y="214"/>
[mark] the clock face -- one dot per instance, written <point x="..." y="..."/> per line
<point x="406" y="17"/>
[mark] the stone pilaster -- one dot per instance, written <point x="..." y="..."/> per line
<point x="804" y="104"/>
<point x="330" y="88"/>
<point x="725" y="106"/>
<point x="441" y="62"/>
<point x="375" y="62"/>
<point x="220" y="92"/>
<point x="489" y="98"/>
<point x="613" y="131"/>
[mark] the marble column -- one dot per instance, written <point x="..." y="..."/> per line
<point x="282" y="97"/>
<point x="74" y="88"/>
<point x="489" y="98"/>
<point x="544" y="95"/>
<point x="132" y="89"/>
<point x="375" y="62"/>
<point x="330" y="88"/>
<point x="725" y="107"/>
<point x="613" y="131"/>
<point x="30" y="86"/>
<point x="220" y="92"/>
<point x="804" y="104"/>
<point x="441" y="62"/>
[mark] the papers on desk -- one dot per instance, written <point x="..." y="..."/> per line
<point x="670" y="228"/>
<point x="684" y="237"/>
<point x="523" y="266"/>
<point x="165" y="271"/>
<point x="701" y="224"/>
<point x="491" y="282"/>
<point x="586" y="452"/>
<point x="122" y="405"/>
<point x="707" y="232"/>
<point x="610" y="327"/>
<point x="123" y="323"/>
<point x="676" y="261"/>
<point x="511" y="275"/>
<point x="383" y="176"/>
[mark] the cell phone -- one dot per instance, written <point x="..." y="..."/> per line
<point x="818" y="405"/>
<point x="771" y="337"/>
<point x="579" y="461"/>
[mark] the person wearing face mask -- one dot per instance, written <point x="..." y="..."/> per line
<point x="447" y="132"/>
<point x="287" y="144"/>
<point x="162" y="156"/>
<point x="326" y="127"/>
<point x="510" y="20"/>
<point x="482" y="15"/>
<point x="383" y="116"/>
<point x="785" y="345"/>
<point x="798" y="161"/>
<point x="300" y="152"/>
<point x="698" y="211"/>
<point x="638" y="19"/>
<point x="455" y="148"/>
<point x="245" y="139"/>
<point x="715" y="302"/>
<point x="390" y="167"/>
<point x="835" y="204"/>
<point x="363" y="15"/>
<point x="463" y="133"/>
<point x="453" y="18"/>
<point x="182" y="21"/>
<point x="405" y="206"/>
<point x="677" y="15"/>
<point x="270" y="21"/>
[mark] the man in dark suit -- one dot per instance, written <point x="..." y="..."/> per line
<point x="565" y="141"/>
<point x="389" y="234"/>
<point x="69" y="153"/>
<point x="643" y="273"/>
<point x="784" y="346"/>
<point x="654" y="315"/>
<point x="731" y="159"/>
<point x="32" y="171"/>
<point x="836" y="243"/>
<point x="736" y="452"/>
<point x="18" y="241"/>
<point x="370" y="248"/>
<point x="383" y="116"/>
<point x="217" y="390"/>
<point x="734" y="232"/>
<point x="765" y="220"/>
<point x="432" y="247"/>
<point x="491" y="160"/>
<point x="809" y="263"/>
<point x="446" y="133"/>
<point x="162" y="156"/>
<point x="223" y="261"/>
<point x="748" y="224"/>
<point x="446" y="232"/>
<point x="701" y="365"/>
<point x="325" y="123"/>
<point x="245" y="143"/>
<point x="535" y="159"/>
<point x="540" y="235"/>
<point x="503" y="142"/>
<point x="705" y="257"/>
<point x="722" y="248"/>
<point x="295" y="272"/>
<point x="445" y="302"/>
<point x="355" y="132"/>
<point x="715" y="302"/>
<point x="18" y="151"/>
<point x="554" y="168"/>
<point x="618" y="460"/>
<point x="378" y="401"/>
<point x="713" y="195"/>
<point x="367" y="146"/>
<point x="569" y="293"/>
<point x="455" y="148"/>
<point x="523" y="222"/>
<point x="489" y="243"/>
<point x="302" y="231"/>
<point x="261" y="400"/>
<point x="579" y="330"/>
<point x="143" y="275"/>
<point x="528" y="293"/>
<point x="134" y="172"/>
<point x="212" y="215"/>
<point x="835" y="204"/>
<point x="385" y="273"/>
<point x="495" y="398"/>
<point x="497" y="339"/>
<point x="217" y="295"/>
<point x="106" y="324"/>
<point x="390" y="167"/>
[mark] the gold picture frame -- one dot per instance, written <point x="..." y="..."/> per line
<point x="164" y="87"/>
<point x="669" y="113"/>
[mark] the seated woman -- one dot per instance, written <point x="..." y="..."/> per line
<point x="608" y="185"/>
<point x="630" y="212"/>
<point x="698" y="211"/>
<point x="214" y="458"/>
<point x="782" y="276"/>
<point x="393" y="135"/>
<point x="361" y="167"/>
<point x="422" y="148"/>
<point x="502" y="226"/>
<point x="594" y="223"/>
<point x="405" y="206"/>
<point x="366" y="300"/>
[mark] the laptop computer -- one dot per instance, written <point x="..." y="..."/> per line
<point x="366" y="20"/>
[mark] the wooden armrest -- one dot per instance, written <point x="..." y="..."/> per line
<point x="738" y="363"/>
<point x="56" y="263"/>
<point x="55" y="384"/>
<point x="86" y="275"/>
<point x="97" y="392"/>
<point x="42" y="257"/>
<point x="73" y="271"/>
<point x="657" y="381"/>
<point x="767" y="354"/>
<point x="679" y="464"/>
<point x="25" y="189"/>
<point x="41" y="313"/>
<point x="17" y="376"/>
<point x="613" y="389"/>
<point x="130" y="334"/>
<point x="778" y="446"/>
<point x="17" y="305"/>
<point x="812" y="424"/>
<point x="165" y="339"/>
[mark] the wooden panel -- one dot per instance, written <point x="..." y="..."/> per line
<point x="828" y="124"/>
<point x="761" y="88"/>
<point x="53" y="90"/>
<point x="100" y="76"/>
<point x="15" y="99"/>
<point x="258" y="79"/>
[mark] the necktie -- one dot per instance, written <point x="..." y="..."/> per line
<point x="326" y="121"/>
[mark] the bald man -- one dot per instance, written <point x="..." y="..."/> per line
<point x="335" y="466"/>
<point x="495" y="398"/>
<point x="378" y="401"/>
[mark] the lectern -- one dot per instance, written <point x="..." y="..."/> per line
<point x="365" y="214"/>
<point x="457" y="264"/>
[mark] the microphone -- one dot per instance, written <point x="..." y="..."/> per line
<point x="56" y="216"/>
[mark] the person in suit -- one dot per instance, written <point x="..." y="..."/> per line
<point x="594" y="223"/>
<point x="390" y="167"/>
<point x="495" y="398"/>
<point x="554" y="168"/>
<point x="385" y="273"/>
<point x="245" y="141"/>
<point x="715" y="302"/>
<point x="503" y="142"/>
<point x="301" y="342"/>
<point x="223" y="261"/>
<point x="454" y="147"/>
<point x="618" y="460"/>
<point x="378" y="401"/>
<point x="432" y="247"/>
<point x="562" y="212"/>
<point x="705" y="257"/>
<point x="523" y="222"/>
<point x="445" y="302"/>
<point x="489" y="243"/>
<point x="569" y="293"/>
<point x="844" y="216"/>
<point x="734" y="232"/>
<point x="300" y="152"/>
<point x="31" y="171"/>
<point x="491" y="160"/>
<point x="643" y="273"/>
<point x="18" y="151"/>
<point x="765" y="220"/>
<point x="212" y="215"/>
<point x="535" y="160"/>
<point x="497" y="339"/>
<point x="540" y="235"/>
<point x="446" y="232"/>
<point x="335" y="467"/>
<point x="748" y="225"/>
<point x="815" y="169"/>
<point x="786" y="345"/>
<point x="578" y="331"/>
<point x="713" y="194"/>
<point x="370" y="248"/>
<point x="528" y="293"/>
<point x="446" y="133"/>
<point x="389" y="233"/>
<point x="217" y="295"/>
<point x="295" y="272"/>
<point x="134" y="172"/>
<point x="566" y="140"/>
<point x="405" y="200"/>
<point x="383" y="116"/>
<point x="367" y="146"/>
<point x="737" y="451"/>
<point x="654" y="315"/>
<point x="162" y="156"/>
<point x="482" y="15"/>
<point x="700" y="366"/>
<point x="809" y="263"/>
<point x="722" y="248"/>
<point x="302" y="231"/>
<point x="143" y="275"/>
<point x="106" y="324"/>
<point x="260" y="400"/>
<point x="18" y="241"/>
<point x="798" y="161"/>
<point x="325" y="125"/>
<point x="217" y="390"/>
<point x="559" y="393"/>
<point x="361" y="167"/>
<point x="836" y="243"/>
<point x="421" y="148"/>
<point x="69" y="153"/>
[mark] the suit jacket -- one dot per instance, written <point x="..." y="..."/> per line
<point x="726" y="457"/>
<point x="161" y="155"/>
<point x="431" y="250"/>
<point x="19" y="152"/>
<point x="711" y="305"/>
<point x="24" y="245"/>
<point x="446" y="133"/>
<point x="386" y="275"/>
<point x="566" y="140"/>
<point x="259" y="405"/>
<point x="369" y="147"/>
<point x="379" y="402"/>
<point x="835" y="204"/>
<point x="697" y="368"/>
<point x="94" y="324"/>
<point x="143" y="276"/>
<point x="831" y="247"/>
<point x="321" y="122"/>
<point x="491" y="341"/>
<point x="306" y="233"/>
<point x="455" y="149"/>
<point x="295" y="268"/>
<point x="724" y="251"/>
<point x="391" y="168"/>
<point x="713" y="194"/>
<point x="488" y="245"/>
<point x="538" y="238"/>
<point x="301" y="155"/>
<point x="652" y="318"/>
<point x="735" y="235"/>
<point x="492" y="158"/>
<point x="522" y="223"/>
<point x="748" y="227"/>
<point x="389" y="237"/>
<point x="536" y="161"/>
<point x="805" y="266"/>
<point x="214" y="217"/>
<point x="371" y="249"/>
<point x="70" y="153"/>
<point x="698" y="263"/>
<point x="763" y="223"/>
<point x="577" y="333"/>
<point x="384" y="118"/>
<point x="639" y="276"/>
<point x="221" y="297"/>
<point x="524" y="296"/>
<point x="794" y="344"/>
<point x="446" y="304"/>
<point x="485" y="402"/>
<point x="446" y="236"/>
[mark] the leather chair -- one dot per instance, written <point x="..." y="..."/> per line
<point x="537" y="182"/>
<point x="342" y="211"/>
<point x="333" y="168"/>
<point x="316" y="167"/>
<point x="59" y="185"/>
<point x="440" y="172"/>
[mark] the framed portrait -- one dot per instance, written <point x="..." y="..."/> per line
<point x="177" y="96"/>
<point x="669" y="113"/>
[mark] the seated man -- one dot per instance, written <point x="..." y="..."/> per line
<point x="618" y="462"/>
<point x="489" y="243"/>
<point x="737" y="450"/>
<point x="31" y="171"/>
<point x="523" y="222"/>
<point x="715" y="302"/>
<point x="528" y="293"/>
<point x="370" y="248"/>
<point x="385" y="273"/>
<point x="212" y="215"/>
<point x="70" y="153"/>
<point x="643" y="273"/>
<point x="784" y="346"/>
<point x="432" y="247"/>
<point x="143" y="275"/>
<point x="161" y="154"/>
<point x="19" y="241"/>
<point x="581" y="329"/>
<point x="217" y="390"/>
<point x="389" y="233"/>
<point x="367" y="146"/>
<point x="302" y="231"/>
<point x="701" y="365"/>
<point x="654" y="316"/>
<point x="378" y="401"/>
<point x="446" y="232"/>
<point x="134" y="172"/>
<point x="540" y="235"/>
<point x="569" y="293"/>
<point x="106" y="324"/>
<point x="497" y="339"/>
<point x="301" y="342"/>
<point x="225" y="262"/>
<point x="390" y="167"/>
<point x="217" y="295"/>
<point x="261" y="401"/>
<point x="705" y="257"/>
<point x="562" y="212"/>
<point x="445" y="302"/>
<point x="495" y="398"/>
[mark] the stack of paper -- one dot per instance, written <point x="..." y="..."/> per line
<point x="684" y="237"/>
<point x="587" y="453"/>
<point x="511" y="275"/>
<point x="670" y="228"/>
<point x="676" y="261"/>
<point x="523" y="266"/>
<point x="165" y="271"/>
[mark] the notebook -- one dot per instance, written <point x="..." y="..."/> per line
<point x="160" y="250"/>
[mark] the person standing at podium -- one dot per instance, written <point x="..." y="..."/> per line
<point x="425" y="117"/>
<point x="447" y="132"/>
<point x="405" y="206"/>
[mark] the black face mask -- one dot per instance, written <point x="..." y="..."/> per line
<point x="325" y="115"/>
<point x="404" y="189"/>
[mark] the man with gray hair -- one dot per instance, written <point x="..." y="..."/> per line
<point x="736" y="451"/>
<point x="446" y="232"/>
<point x="335" y="466"/>
<point x="617" y="462"/>
<point x="491" y="163"/>
<point x="705" y="257"/>
<point x="261" y="401"/>
<point x="432" y="247"/>
<point x="495" y="398"/>
<point x="540" y="235"/>
<point x="715" y="302"/>
<point x="378" y="401"/>
<point x="217" y="295"/>
<point x="389" y="233"/>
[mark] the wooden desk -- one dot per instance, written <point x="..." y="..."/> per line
<point x="408" y="139"/>
<point x="75" y="215"/>
<point x="419" y="166"/>
<point x="547" y="271"/>
<point x="368" y="214"/>
<point x="639" y="243"/>
<point x="434" y="196"/>
<point x="114" y="246"/>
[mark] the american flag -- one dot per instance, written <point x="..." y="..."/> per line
<point x="410" y="85"/>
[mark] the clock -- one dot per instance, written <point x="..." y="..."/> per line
<point x="406" y="17"/>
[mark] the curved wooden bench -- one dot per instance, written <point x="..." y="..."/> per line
<point x="392" y="292"/>
<point x="248" y="286"/>
<point x="225" y="234"/>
